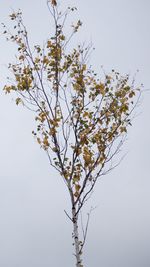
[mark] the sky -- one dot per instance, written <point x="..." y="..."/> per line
<point x="34" y="229"/>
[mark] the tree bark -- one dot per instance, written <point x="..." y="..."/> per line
<point x="76" y="238"/>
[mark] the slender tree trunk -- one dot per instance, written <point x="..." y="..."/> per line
<point x="76" y="238"/>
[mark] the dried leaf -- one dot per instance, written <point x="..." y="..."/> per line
<point x="54" y="3"/>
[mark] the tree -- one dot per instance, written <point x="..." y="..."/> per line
<point x="82" y="120"/>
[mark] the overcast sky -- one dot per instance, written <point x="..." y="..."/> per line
<point x="34" y="231"/>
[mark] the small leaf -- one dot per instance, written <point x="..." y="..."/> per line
<point x="18" y="101"/>
<point x="77" y="187"/>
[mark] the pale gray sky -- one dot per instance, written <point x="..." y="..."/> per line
<point x="34" y="231"/>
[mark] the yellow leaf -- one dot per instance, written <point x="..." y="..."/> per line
<point x="76" y="194"/>
<point x="87" y="155"/>
<point x="52" y="131"/>
<point x="45" y="141"/>
<point x="18" y="100"/>
<point x="84" y="67"/>
<point x="38" y="140"/>
<point x="77" y="187"/>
